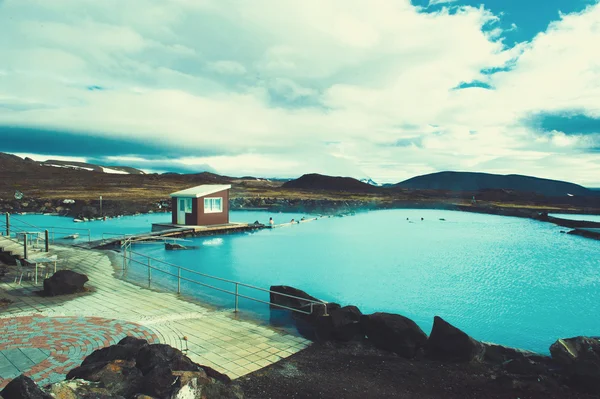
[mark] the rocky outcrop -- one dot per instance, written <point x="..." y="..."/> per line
<point x="286" y="301"/>
<point x="23" y="387"/>
<point x="64" y="282"/>
<point x="346" y="324"/>
<point x="174" y="247"/>
<point x="579" y="358"/>
<point x="394" y="333"/>
<point x="447" y="342"/>
<point x="517" y="361"/>
<point x="119" y="377"/>
<point x="135" y="369"/>
<point x="126" y="349"/>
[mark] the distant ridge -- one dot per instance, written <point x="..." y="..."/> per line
<point x="472" y="181"/>
<point x="92" y="167"/>
<point x="315" y="181"/>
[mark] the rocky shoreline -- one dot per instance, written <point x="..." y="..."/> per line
<point x="573" y="365"/>
<point x="80" y="209"/>
<point x="132" y="368"/>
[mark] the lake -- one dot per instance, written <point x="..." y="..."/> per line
<point x="512" y="281"/>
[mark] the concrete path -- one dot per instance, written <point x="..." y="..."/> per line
<point x="43" y="344"/>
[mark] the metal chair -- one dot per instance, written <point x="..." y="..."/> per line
<point x="21" y="269"/>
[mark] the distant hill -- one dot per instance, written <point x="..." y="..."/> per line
<point x="124" y="170"/>
<point x="316" y="181"/>
<point x="471" y="182"/>
<point x="370" y="181"/>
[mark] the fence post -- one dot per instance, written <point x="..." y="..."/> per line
<point x="89" y="236"/>
<point x="149" y="274"/>
<point x="236" y="297"/>
<point x="25" y="246"/>
<point x="7" y="224"/>
<point x="46" y="240"/>
<point x="179" y="280"/>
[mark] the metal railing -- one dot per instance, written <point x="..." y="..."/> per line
<point x="53" y="230"/>
<point x="128" y="257"/>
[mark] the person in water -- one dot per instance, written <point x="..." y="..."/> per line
<point x="292" y="221"/>
<point x="271" y="222"/>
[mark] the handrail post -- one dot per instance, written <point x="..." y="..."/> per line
<point x="179" y="280"/>
<point x="236" y="297"/>
<point x="25" y="246"/>
<point x="149" y="274"/>
<point x="46" y="241"/>
<point x="89" y="236"/>
<point x="325" y="313"/>
<point x="7" y="224"/>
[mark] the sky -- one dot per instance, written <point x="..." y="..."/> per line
<point x="386" y="89"/>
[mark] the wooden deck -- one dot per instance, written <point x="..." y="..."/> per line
<point x="171" y="231"/>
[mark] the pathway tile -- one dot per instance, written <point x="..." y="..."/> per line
<point x="114" y="308"/>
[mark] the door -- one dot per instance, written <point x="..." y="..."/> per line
<point x="181" y="211"/>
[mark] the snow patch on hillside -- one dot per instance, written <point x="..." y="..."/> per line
<point x="114" y="171"/>
<point x="68" y="166"/>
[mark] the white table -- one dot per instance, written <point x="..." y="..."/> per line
<point x="42" y="260"/>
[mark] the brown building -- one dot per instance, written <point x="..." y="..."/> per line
<point x="202" y="205"/>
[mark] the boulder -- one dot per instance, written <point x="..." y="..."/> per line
<point x="133" y="342"/>
<point x="346" y="323"/>
<point x="517" y="361"/>
<point x="64" y="282"/>
<point x="119" y="377"/>
<point x="174" y="247"/>
<point x="499" y="354"/>
<point x="447" y="342"/>
<point x="282" y="300"/>
<point x="394" y="333"/>
<point x="158" y="382"/>
<point x="164" y="356"/>
<point x="579" y="357"/>
<point x="212" y="373"/>
<point x="23" y="387"/>
<point x="110" y="353"/>
<point x="315" y="322"/>
<point x="81" y="389"/>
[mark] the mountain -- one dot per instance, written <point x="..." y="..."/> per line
<point x="470" y="182"/>
<point x="316" y="181"/>
<point x="370" y="181"/>
<point x="123" y="170"/>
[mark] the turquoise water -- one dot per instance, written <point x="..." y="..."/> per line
<point x="63" y="226"/>
<point x="570" y="216"/>
<point x="512" y="281"/>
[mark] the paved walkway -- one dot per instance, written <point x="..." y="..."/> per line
<point x="43" y="343"/>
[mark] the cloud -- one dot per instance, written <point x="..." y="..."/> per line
<point x="228" y="85"/>
<point x="227" y="67"/>
<point x="436" y="2"/>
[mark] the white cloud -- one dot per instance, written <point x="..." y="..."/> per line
<point x="275" y="83"/>
<point x="227" y="67"/>
<point x="41" y="158"/>
<point x="435" y="2"/>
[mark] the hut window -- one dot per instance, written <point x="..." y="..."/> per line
<point x="188" y="205"/>
<point x="213" y="205"/>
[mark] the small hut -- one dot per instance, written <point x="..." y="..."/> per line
<point x="203" y="205"/>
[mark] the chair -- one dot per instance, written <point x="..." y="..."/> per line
<point x="21" y="269"/>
